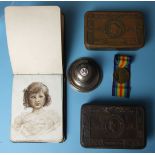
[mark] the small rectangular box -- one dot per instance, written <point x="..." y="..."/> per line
<point x="106" y="126"/>
<point x="116" y="30"/>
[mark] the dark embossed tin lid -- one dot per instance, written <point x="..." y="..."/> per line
<point x="113" y="126"/>
<point x="84" y="74"/>
<point x="114" y="29"/>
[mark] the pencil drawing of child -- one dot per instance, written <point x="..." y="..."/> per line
<point x="39" y="121"/>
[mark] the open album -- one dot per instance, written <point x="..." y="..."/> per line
<point x="34" y="36"/>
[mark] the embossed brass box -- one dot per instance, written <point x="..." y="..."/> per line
<point x="117" y="30"/>
<point x="112" y="126"/>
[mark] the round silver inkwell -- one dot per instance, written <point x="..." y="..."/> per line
<point x="84" y="74"/>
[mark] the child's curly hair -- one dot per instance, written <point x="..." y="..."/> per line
<point x="36" y="87"/>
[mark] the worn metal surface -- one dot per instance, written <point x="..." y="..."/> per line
<point x="118" y="30"/>
<point x="112" y="126"/>
<point x="84" y="74"/>
<point x="121" y="75"/>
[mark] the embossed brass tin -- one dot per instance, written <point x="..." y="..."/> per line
<point x="118" y="30"/>
<point x="112" y="126"/>
<point x="84" y="74"/>
<point x="121" y="75"/>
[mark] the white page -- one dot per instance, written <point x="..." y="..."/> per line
<point x="34" y="39"/>
<point x="45" y="124"/>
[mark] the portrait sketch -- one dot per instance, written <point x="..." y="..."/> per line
<point x="40" y="118"/>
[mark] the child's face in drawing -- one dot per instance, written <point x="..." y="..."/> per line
<point x="37" y="100"/>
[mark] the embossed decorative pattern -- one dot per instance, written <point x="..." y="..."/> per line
<point x="114" y="30"/>
<point x="105" y="126"/>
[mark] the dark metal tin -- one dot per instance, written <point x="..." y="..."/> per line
<point x="117" y="30"/>
<point x="113" y="126"/>
<point x="84" y="74"/>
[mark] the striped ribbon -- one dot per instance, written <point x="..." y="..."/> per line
<point x="121" y="89"/>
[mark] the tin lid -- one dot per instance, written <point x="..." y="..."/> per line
<point x="110" y="124"/>
<point x="121" y="75"/>
<point x="84" y="74"/>
<point x="114" y="30"/>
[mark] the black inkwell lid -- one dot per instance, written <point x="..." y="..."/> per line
<point x="84" y="74"/>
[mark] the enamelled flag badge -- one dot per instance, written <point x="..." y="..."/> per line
<point x="121" y="77"/>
